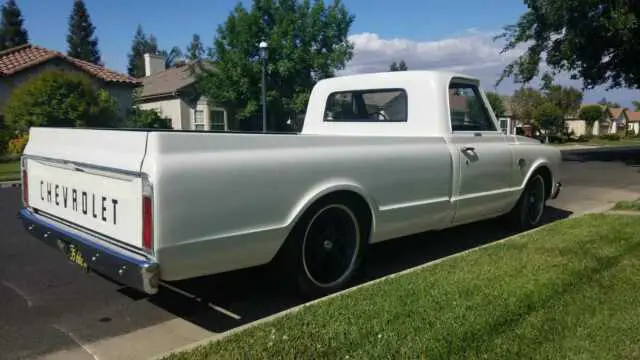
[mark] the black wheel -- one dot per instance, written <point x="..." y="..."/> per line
<point x="325" y="248"/>
<point x="528" y="211"/>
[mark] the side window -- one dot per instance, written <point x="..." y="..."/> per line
<point x="385" y="105"/>
<point x="467" y="109"/>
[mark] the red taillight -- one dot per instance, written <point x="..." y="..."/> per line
<point x="147" y="223"/>
<point x="25" y="187"/>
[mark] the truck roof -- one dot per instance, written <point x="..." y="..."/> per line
<point x="376" y="79"/>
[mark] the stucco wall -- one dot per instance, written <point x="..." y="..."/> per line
<point x="577" y="126"/>
<point x="170" y="108"/>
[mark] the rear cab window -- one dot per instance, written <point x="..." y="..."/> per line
<point x="379" y="105"/>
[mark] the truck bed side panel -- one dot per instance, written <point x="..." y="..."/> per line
<point x="225" y="202"/>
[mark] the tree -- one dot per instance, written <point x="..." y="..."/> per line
<point x="58" y="98"/>
<point x="636" y="103"/>
<point x="549" y="118"/>
<point x="147" y="119"/>
<point x="590" y="114"/>
<point x="307" y="42"/>
<point x="173" y="57"/>
<point x="607" y="103"/>
<point x="567" y="99"/>
<point x="496" y="103"/>
<point x="401" y="66"/>
<point x="141" y="44"/>
<point x="195" y="50"/>
<point x="524" y="102"/>
<point x="588" y="39"/>
<point x="12" y="32"/>
<point x="81" y="42"/>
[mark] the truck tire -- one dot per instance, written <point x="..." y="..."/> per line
<point x="325" y="248"/>
<point x="528" y="211"/>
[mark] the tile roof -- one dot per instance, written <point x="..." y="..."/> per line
<point x="633" y="116"/>
<point x="166" y="82"/>
<point x="25" y="56"/>
<point x="616" y="112"/>
<point x="172" y="80"/>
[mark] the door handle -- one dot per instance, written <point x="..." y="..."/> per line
<point x="468" y="148"/>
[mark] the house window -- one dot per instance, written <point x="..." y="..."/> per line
<point x="367" y="106"/>
<point x="217" y="120"/>
<point x="198" y="121"/>
<point x="467" y="109"/>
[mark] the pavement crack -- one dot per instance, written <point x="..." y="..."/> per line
<point x="77" y="341"/>
<point x="21" y="293"/>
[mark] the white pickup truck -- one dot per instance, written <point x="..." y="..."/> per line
<point x="380" y="156"/>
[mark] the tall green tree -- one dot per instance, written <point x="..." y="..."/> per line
<point x="524" y="102"/>
<point x="607" y="103"/>
<point x="172" y="57"/>
<point x="401" y="66"/>
<point x="566" y="98"/>
<point x="12" y="31"/>
<point x="591" y="40"/>
<point x="549" y="118"/>
<point x="195" y="50"/>
<point x="81" y="41"/>
<point x="495" y="100"/>
<point x="141" y="44"/>
<point x="590" y="114"/>
<point x="307" y="42"/>
<point x="636" y="104"/>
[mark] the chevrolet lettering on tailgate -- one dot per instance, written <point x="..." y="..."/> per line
<point x="110" y="206"/>
<point x="99" y="206"/>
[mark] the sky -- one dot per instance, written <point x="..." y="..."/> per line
<point x="433" y="35"/>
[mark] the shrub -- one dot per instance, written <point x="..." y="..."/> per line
<point x="17" y="145"/>
<point x="147" y="119"/>
<point x="5" y="136"/>
<point x="612" y="137"/>
<point x="62" y="99"/>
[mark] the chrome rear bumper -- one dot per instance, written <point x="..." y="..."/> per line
<point x="91" y="253"/>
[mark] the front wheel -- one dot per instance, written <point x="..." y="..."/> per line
<point x="528" y="211"/>
<point x="325" y="248"/>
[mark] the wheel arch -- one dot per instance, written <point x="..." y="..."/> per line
<point x="341" y="190"/>
<point x="544" y="169"/>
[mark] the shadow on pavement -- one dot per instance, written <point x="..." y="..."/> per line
<point x="628" y="155"/>
<point x="252" y="295"/>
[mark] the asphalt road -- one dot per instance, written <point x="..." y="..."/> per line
<point x="47" y="304"/>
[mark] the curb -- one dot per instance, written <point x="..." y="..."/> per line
<point x="294" y="309"/>
<point x="597" y="148"/>
<point x="10" y="184"/>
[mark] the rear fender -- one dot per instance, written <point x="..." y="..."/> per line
<point x="320" y="190"/>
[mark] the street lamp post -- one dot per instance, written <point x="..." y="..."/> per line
<point x="264" y="51"/>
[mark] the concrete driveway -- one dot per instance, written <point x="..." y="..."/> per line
<point x="51" y="309"/>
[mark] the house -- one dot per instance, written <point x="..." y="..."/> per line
<point x="615" y="120"/>
<point x="20" y="63"/>
<point x="633" y="122"/>
<point x="173" y="93"/>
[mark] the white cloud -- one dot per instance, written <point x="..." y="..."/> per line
<point x="472" y="52"/>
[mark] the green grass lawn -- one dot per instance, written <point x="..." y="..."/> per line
<point x="628" y="205"/>
<point x="569" y="290"/>
<point x="9" y="170"/>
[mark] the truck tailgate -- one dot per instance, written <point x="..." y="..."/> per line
<point x="88" y="178"/>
